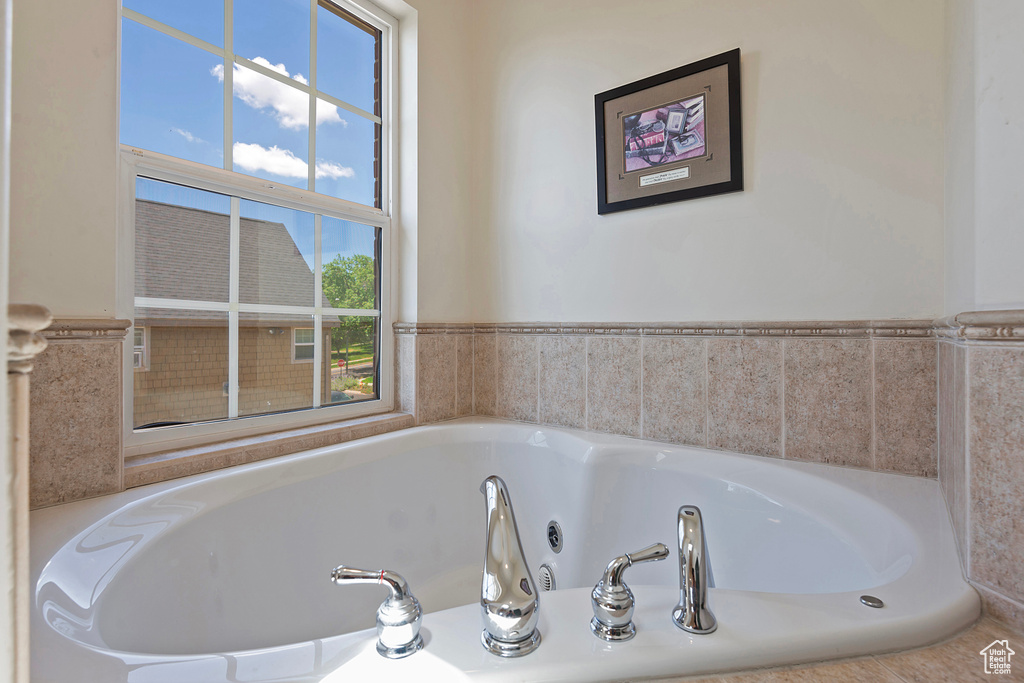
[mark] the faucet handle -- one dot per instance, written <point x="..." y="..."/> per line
<point x="399" y="616"/>
<point x="612" y="600"/>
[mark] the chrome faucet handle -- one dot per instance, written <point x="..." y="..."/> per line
<point x="692" y="613"/>
<point x="612" y="600"/>
<point x="399" y="616"/>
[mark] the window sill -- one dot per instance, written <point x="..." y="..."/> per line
<point x="140" y="470"/>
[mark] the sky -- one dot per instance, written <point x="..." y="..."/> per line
<point x="172" y="92"/>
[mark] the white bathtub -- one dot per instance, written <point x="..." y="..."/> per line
<point x="225" y="576"/>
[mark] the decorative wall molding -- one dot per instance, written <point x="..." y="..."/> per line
<point x="24" y="342"/>
<point x="87" y="329"/>
<point x="1006" y="325"/>
<point x="819" y="328"/>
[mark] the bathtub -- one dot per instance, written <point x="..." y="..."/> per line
<point x="225" y="576"/>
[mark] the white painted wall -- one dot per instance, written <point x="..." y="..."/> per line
<point x="843" y="137"/>
<point x="960" y="157"/>
<point x="63" y="157"/>
<point x="984" y="147"/>
<point x="8" y="622"/>
<point x="999" y="151"/>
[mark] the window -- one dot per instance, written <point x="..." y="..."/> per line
<point x="302" y="344"/>
<point x="255" y="148"/>
<point x="140" y="359"/>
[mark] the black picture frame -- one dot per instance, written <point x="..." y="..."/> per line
<point x="651" y="147"/>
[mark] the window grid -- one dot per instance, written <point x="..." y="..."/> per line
<point x="234" y="307"/>
<point x="230" y="59"/>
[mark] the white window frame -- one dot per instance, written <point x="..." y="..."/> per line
<point x="296" y="344"/>
<point x="137" y="162"/>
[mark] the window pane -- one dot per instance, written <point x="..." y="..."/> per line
<point x="271" y="129"/>
<point x="346" y="153"/>
<point x="353" y="358"/>
<point x="345" y="57"/>
<point x="268" y="379"/>
<point x="276" y="32"/>
<point x="347" y="252"/>
<point x="304" y="336"/>
<point x="276" y="260"/>
<point x="172" y="101"/>
<point x="203" y="19"/>
<point x="182" y="242"/>
<point x="188" y="367"/>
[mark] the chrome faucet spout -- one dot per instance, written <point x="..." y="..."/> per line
<point x="692" y="613"/>
<point x="508" y="595"/>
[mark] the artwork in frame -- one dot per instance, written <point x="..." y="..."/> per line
<point x="670" y="137"/>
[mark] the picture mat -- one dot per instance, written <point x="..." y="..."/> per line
<point x="710" y="169"/>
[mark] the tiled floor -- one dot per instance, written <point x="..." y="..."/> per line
<point x="955" y="660"/>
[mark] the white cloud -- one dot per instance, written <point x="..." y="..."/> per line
<point x="329" y="169"/>
<point x="290" y="106"/>
<point x="281" y="162"/>
<point x="187" y="135"/>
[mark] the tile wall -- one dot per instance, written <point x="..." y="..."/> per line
<point x="981" y="452"/>
<point x="859" y="394"/>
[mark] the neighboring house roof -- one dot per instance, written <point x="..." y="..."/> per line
<point x="183" y="253"/>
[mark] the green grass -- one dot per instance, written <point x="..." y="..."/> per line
<point x="357" y="353"/>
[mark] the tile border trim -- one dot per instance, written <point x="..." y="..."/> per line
<point x="815" y="328"/>
<point x="1004" y="325"/>
<point x="87" y="329"/>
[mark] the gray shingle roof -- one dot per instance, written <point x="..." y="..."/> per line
<point x="183" y="253"/>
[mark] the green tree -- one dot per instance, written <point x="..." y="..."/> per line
<point x="350" y="282"/>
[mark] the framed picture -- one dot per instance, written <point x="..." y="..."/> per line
<point x="670" y="137"/>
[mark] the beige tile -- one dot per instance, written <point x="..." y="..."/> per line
<point x="958" y="660"/>
<point x="516" y="386"/>
<point x="828" y="401"/>
<point x="75" y="423"/>
<point x="850" y="671"/>
<point x="996" y="443"/>
<point x="745" y="395"/>
<point x="405" y="373"/>
<point x="959" y="451"/>
<point x="146" y="469"/>
<point x="464" y="373"/>
<point x="674" y="390"/>
<point x="1002" y="610"/>
<point x="563" y="380"/>
<point x="950" y="466"/>
<point x="435" y="377"/>
<point x="906" y="406"/>
<point x="484" y="373"/>
<point x="613" y="385"/>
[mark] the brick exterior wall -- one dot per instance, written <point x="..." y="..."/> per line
<point x="188" y="368"/>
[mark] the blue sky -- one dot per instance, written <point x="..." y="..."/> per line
<point x="172" y="92"/>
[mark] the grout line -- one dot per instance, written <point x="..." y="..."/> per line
<point x="537" y="414"/>
<point x="586" y="381"/>
<point x="707" y="398"/>
<point x="782" y="446"/>
<point x="642" y="401"/>
<point x="965" y="390"/>
<point x="874" y="419"/>
<point x="880" y="662"/>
